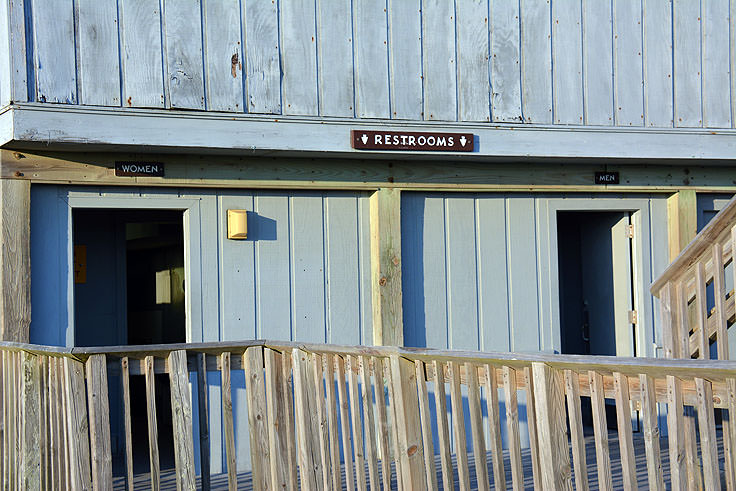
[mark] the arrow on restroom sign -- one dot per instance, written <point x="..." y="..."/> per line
<point x="412" y="141"/>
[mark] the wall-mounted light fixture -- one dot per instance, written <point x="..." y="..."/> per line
<point x="237" y="224"/>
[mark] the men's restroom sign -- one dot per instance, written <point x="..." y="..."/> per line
<point x="412" y="141"/>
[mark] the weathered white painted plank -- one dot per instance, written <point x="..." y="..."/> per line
<point x="536" y="61"/>
<point x="716" y="69"/>
<point x="628" y="76"/>
<point x="183" y="37"/>
<point x="687" y="66"/>
<point x="299" y="57"/>
<point x="335" y="59"/>
<point x="657" y="62"/>
<point x="439" y="52"/>
<point x="567" y="76"/>
<point x="732" y="58"/>
<point x="505" y="62"/>
<point x="474" y="87"/>
<point x="99" y="60"/>
<point x="223" y="55"/>
<point x="14" y="86"/>
<point x="597" y="62"/>
<point x="53" y="36"/>
<point x="141" y="57"/>
<point x="371" y="60"/>
<point x="405" y="58"/>
<point x="262" y="66"/>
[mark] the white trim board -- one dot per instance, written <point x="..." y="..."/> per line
<point x="49" y="126"/>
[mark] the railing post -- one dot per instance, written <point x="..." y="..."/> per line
<point x="549" y="395"/>
<point x="411" y="458"/>
<point x="259" y="445"/>
<point x="181" y="414"/>
<point x="99" y="422"/>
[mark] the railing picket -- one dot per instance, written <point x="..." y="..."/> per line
<point x="625" y="436"/>
<point x="77" y="425"/>
<point x="694" y="471"/>
<point x="458" y="426"/>
<point x="99" y="422"/>
<point x="675" y="434"/>
<point x="125" y="380"/>
<point x="66" y="451"/>
<point x="31" y="419"/>
<point x="12" y="416"/>
<point x="54" y="431"/>
<point x="347" y="442"/>
<point x="442" y="425"/>
<point x="494" y="429"/>
<point x="532" y="424"/>
<point x="600" y="428"/>
<point x="512" y="424"/>
<point x="318" y="412"/>
<point x="383" y="440"/>
<point x="575" y="417"/>
<point x="708" y="444"/>
<point x="358" y="447"/>
<point x="332" y="421"/>
<point x="181" y="415"/>
<point x="476" y="425"/>
<point x="309" y="469"/>
<point x="204" y="418"/>
<point x="152" y="423"/>
<point x="276" y="417"/>
<point x="227" y="421"/>
<point x="393" y="424"/>
<point x="731" y="424"/>
<point x="651" y="432"/>
<point x="701" y="317"/>
<point x="257" y="418"/>
<point x="369" y="423"/>
<point x="426" y="422"/>
<point x="288" y="392"/>
<point x="46" y="482"/>
<point x="5" y="389"/>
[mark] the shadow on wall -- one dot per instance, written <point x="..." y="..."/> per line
<point x="412" y="274"/>
<point x="260" y="227"/>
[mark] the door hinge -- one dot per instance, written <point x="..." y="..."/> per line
<point x="630" y="232"/>
<point x="633" y="317"/>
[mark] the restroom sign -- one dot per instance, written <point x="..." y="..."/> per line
<point x="412" y="141"/>
<point x="607" y="177"/>
<point x="139" y="169"/>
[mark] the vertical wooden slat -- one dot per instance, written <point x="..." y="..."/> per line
<point x="227" y="421"/>
<point x="345" y="424"/>
<point x="286" y="362"/>
<point x="476" y="425"/>
<point x="396" y="452"/>
<point x="667" y="314"/>
<point x="681" y="325"/>
<point x="14" y="433"/>
<point x="549" y="387"/>
<point x="675" y="431"/>
<point x="4" y="411"/>
<point x="577" y="439"/>
<point x="708" y="443"/>
<point x="44" y="442"/>
<point x="152" y="423"/>
<point x="494" y="429"/>
<point x="694" y="471"/>
<point x="319" y="411"/>
<point x="625" y="436"/>
<point x="532" y="423"/>
<point x="719" y="294"/>
<point x="383" y="439"/>
<point x="64" y="427"/>
<point x="512" y="424"/>
<point x="277" y="428"/>
<point x="9" y="417"/>
<point x="99" y="422"/>
<point x="425" y="416"/>
<point x="600" y="427"/>
<point x="76" y="416"/>
<point x="458" y="426"/>
<point x="369" y="426"/>
<point x="702" y="312"/>
<point x="128" y="432"/>
<point x="407" y="422"/>
<point x="442" y="427"/>
<point x="181" y="415"/>
<point x="257" y="418"/>
<point x="309" y="470"/>
<point x="731" y="422"/>
<point x="54" y="421"/>
<point x="204" y="418"/>
<point x="336" y="478"/>
<point x="651" y="432"/>
<point x="356" y="423"/>
<point x="31" y="419"/>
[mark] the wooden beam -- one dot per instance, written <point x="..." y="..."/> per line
<point x="15" y="260"/>
<point x="682" y="220"/>
<point x="385" y="219"/>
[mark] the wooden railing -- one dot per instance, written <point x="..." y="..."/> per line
<point x="334" y="417"/>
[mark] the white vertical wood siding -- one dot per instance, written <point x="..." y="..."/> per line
<point x="656" y="63"/>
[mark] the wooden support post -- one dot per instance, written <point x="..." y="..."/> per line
<point x="253" y="363"/>
<point x="15" y="260"/>
<point x="181" y="415"/>
<point x="385" y="218"/>
<point x="549" y="395"/>
<point x="411" y="458"/>
<point x="99" y="422"/>
<point x="682" y="218"/>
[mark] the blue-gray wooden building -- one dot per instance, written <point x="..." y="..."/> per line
<point x="250" y="104"/>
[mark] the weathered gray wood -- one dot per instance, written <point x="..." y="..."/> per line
<point x="505" y="62"/>
<point x="473" y="81"/>
<point x="128" y="433"/>
<point x="181" y="415"/>
<point x="371" y="60"/>
<point x="686" y="54"/>
<point x="227" y="421"/>
<point x="405" y="32"/>
<point x="731" y="423"/>
<point x="310" y="472"/>
<point x="675" y="434"/>
<point x="600" y="428"/>
<point x="549" y="391"/>
<point x="440" y="70"/>
<point x="577" y="439"/>
<point x="14" y="87"/>
<point x="98" y="66"/>
<point x="331" y="402"/>
<point x="141" y="53"/>
<point x="299" y="67"/>
<point x="716" y="64"/>
<point x="275" y="405"/>
<point x="223" y="55"/>
<point x="532" y="425"/>
<point x="511" y="402"/>
<point x="263" y="71"/>
<point x="319" y="418"/>
<point x="442" y="426"/>
<point x="203" y="412"/>
<point x="257" y="417"/>
<point x="598" y="62"/>
<point x="153" y="453"/>
<point x="30" y="458"/>
<point x="287" y="391"/>
<point x="358" y="440"/>
<point x="54" y="54"/>
<point x="15" y="260"/>
<point x="701" y="313"/>
<point x="183" y="38"/>
<point x="347" y="442"/>
<point x="694" y="470"/>
<point x="494" y="427"/>
<point x="708" y="443"/>
<point x="369" y="421"/>
<point x="99" y="422"/>
<point x="458" y="426"/>
<point x="627" y="68"/>
<point x="425" y="416"/>
<point x="625" y="436"/>
<point x="567" y="77"/>
<point x="657" y="22"/>
<point x="5" y="412"/>
<point x="651" y="432"/>
<point x="536" y="62"/>
<point x="476" y="425"/>
<point x="383" y="425"/>
<point x="335" y="58"/>
<point x="65" y="431"/>
<point x="77" y="425"/>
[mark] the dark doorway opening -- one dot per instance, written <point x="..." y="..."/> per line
<point x="129" y="289"/>
<point x="596" y="289"/>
